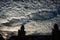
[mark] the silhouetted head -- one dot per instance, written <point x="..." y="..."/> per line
<point x="22" y="27"/>
<point x="56" y="26"/>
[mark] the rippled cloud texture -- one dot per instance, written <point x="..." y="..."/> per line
<point x="37" y="16"/>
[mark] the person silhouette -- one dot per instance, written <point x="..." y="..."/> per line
<point x="56" y="32"/>
<point x="21" y="33"/>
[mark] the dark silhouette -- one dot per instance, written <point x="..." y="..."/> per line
<point x="21" y="33"/>
<point x="1" y="38"/>
<point x="22" y="36"/>
<point x="56" y="33"/>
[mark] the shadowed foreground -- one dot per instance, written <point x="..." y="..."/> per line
<point x="21" y="35"/>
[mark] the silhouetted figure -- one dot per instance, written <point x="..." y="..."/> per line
<point x="56" y="33"/>
<point x="21" y="33"/>
<point x="1" y="38"/>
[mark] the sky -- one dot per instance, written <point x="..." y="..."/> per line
<point x="38" y="17"/>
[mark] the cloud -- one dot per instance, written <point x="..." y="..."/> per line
<point x="17" y="13"/>
<point x="42" y="16"/>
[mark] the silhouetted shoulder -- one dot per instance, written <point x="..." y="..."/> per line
<point x="56" y="32"/>
<point x="1" y="38"/>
